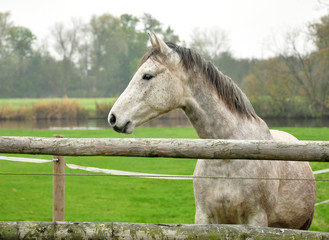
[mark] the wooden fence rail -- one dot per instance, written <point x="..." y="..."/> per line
<point x="313" y="151"/>
<point x="68" y="230"/>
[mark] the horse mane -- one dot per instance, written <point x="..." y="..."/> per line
<point x="226" y="89"/>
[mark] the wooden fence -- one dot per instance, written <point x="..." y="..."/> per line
<point x="175" y="148"/>
<point x="127" y="231"/>
<point x="312" y="151"/>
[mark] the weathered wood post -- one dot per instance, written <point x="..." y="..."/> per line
<point x="59" y="186"/>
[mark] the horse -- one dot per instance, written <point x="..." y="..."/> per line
<point x="171" y="77"/>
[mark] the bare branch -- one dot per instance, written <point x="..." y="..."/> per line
<point x="210" y="42"/>
<point x="67" y="39"/>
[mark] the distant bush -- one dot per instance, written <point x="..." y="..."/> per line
<point x="54" y="110"/>
<point x="103" y="109"/>
<point x="295" y="107"/>
<point x="10" y="113"/>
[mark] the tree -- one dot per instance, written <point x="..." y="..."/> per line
<point x="136" y="42"/>
<point x="21" y="40"/>
<point x="109" y="47"/>
<point x="270" y="88"/>
<point x="84" y="62"/>
<point x="170" y="36"/>
<point x="152" y="25"/>
<point x="235" y="68"/>
<point x="213" y="45"/>
<point x="67" y="41"/>
<point x="309" y="70"/>
<point x="15" y="50"/>
<point x="6" y="68"/>
<point x="5" y="25"/>
<point x="26" y="71"/>
<point x="320" y="34"/>
<point x="210" y="43"/>
<point x="295" y="83"/>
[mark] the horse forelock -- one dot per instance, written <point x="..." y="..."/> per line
<point x="226" y="89"/>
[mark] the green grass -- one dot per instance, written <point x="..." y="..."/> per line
<point x="87" y="103"/>
<point x="122" y="199"/>
<point x="101" y="198"/>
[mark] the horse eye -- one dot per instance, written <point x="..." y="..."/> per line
<point x="147" y="76"/>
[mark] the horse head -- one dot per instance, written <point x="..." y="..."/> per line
<point x="155" y="89"/>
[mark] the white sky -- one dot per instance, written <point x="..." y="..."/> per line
<point x="251" y="25"/>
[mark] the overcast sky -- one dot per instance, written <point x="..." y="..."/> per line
<point x="251" y="25"/>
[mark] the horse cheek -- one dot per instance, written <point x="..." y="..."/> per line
<point x="160" y="100"/>
<point x="170" y="98"/>
<point x="176" y="97"/>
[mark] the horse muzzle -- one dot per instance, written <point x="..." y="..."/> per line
<point x="125" y="127"/>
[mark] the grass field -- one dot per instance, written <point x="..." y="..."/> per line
<point x="122" y="199"/>
<point x="87" y="103"/>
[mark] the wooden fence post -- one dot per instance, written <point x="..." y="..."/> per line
<point x="59" y="186"/>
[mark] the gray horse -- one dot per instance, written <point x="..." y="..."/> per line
<point x="171" y="77"/>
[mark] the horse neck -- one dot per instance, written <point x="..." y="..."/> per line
<point x="211" y="117"/>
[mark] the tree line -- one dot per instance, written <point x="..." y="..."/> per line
<point x="94" y="59"/>
<point x="294" y="83"/>
<point x="98" y="59"/>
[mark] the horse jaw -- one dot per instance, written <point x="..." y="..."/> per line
<point x="128" y="113"/>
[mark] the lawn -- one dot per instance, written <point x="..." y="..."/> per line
<point x="122" y="199"/>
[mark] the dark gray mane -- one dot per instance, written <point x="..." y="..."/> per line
<point x="227" y="90"/>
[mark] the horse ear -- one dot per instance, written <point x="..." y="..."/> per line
<point x="153" y="43"/>
<point x="161" y="45"/>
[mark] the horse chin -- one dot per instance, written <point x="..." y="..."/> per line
<point x="128" y="128"/>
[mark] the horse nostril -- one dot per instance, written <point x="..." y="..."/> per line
<point x="113" y="119"/>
